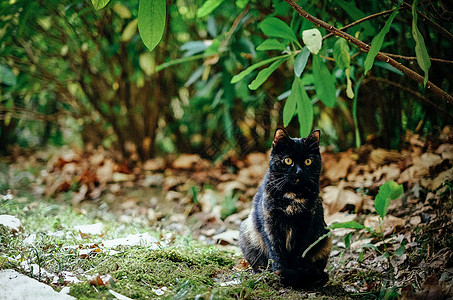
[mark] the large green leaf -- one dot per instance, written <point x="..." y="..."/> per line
<point x="277" y="28"/>
<point x="250" y="69"/>
<point x="349" y="225"/>
<point x="264" y="74"/>
<point x="324" y="82"/>
<point x="151" y="21"/>
<point x="301" y="61"/>
<point x="271" y="44"/>
<point x="290" y="105"/>
<point x="387" y="192"/>
<point x="420" y="48"/>
<point x="98" y="4"/>
<point x="208" y="7"/>
<point x="304" y="111"/>
<point x="341" y="53"/>
<point x="377" y="41"/>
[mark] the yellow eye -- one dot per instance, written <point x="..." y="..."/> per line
<point x="288" y="161"/>
<point x="307" y="162"/>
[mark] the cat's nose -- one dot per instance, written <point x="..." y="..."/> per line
<point x="299" y="170"/>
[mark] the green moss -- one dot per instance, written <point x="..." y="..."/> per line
<point x="138" y="270"/>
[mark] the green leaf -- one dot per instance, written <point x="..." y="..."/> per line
<point x="304" y="110"/>
<point x="324" y="82"/>
<point x="271" y="44"/>
<point x="250" y="69"/>
<point x="122" y="10"/>
<point x="377" y="41"/>
<point x="98" y="4"/>
<point x="420" y="49"/>
<point x="355" y="13"/>
<point x="369" y="245"/>
<point x="341" y="54"/>
<point x="349" y="225"/>
<point x="277" y="28"/>
<point x="290" y="105"/>
<point x="129" y="31"/>
<point x="242" y="3"/>
<point x="387" y="192"/>
<point x="349" y="91"/>
<point x="301" y="61"/>
<point x="264" y="74"/>
<point x="151" y="21"/>
<point x="208" y="7"/>
<point x="361" y="255"/>
<point x="7" y="76"/>
<point x="228" y="123"/>
<point x="400" y="251"/>
<point x="386" y="66"/>
<point x="347" y="240"/>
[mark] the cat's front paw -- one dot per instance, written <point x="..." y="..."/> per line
<point x="289" y="277"/>
<point x="302" y="279"/>
<point x="322" y="279"/>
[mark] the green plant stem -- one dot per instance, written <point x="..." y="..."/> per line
<point x="358" y="142"/>
<point x="316" y="242"/>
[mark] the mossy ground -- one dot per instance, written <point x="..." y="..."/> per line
<point x="187" y="268"/>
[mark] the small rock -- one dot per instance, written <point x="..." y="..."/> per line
<point x="415" y="220"/>
<point x="30" y="240"/>
<point x="96" y="229"/>
<point x="229" y="237"/>
<point x="11" y="222"/>
<point x="14" y="285"/>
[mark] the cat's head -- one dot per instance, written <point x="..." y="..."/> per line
<point x="296" y="159"/>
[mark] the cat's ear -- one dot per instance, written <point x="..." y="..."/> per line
<point x="280" y="137"/>
<point x="315" y="136"/>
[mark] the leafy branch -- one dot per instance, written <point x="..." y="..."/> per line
<point x="365" y="48"/>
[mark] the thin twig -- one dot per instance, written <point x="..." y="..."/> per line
<point x="415" y="58"/>
<point x="427" y="20"/>
<point x="365" y="47"/>
<point x="382" y="13"/>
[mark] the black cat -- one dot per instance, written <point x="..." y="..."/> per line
<point x="287" y="215"/>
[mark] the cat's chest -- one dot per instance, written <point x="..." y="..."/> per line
<point x="288" y="206"/>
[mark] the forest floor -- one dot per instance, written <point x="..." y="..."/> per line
<point x="89" y="226"/>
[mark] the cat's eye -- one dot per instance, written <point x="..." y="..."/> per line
<point x="288" y="161"/>
<point x="307" y="162"/>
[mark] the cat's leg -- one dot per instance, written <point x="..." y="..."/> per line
<point x="252" y="245"/>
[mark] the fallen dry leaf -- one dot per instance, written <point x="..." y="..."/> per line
<point x="336" y="198"/>
<point x="390" y="224"/>
<point x="101" y="280"/>
<point x="382" y="156"/>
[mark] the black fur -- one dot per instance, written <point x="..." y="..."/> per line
<point x="287" y="215"/>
